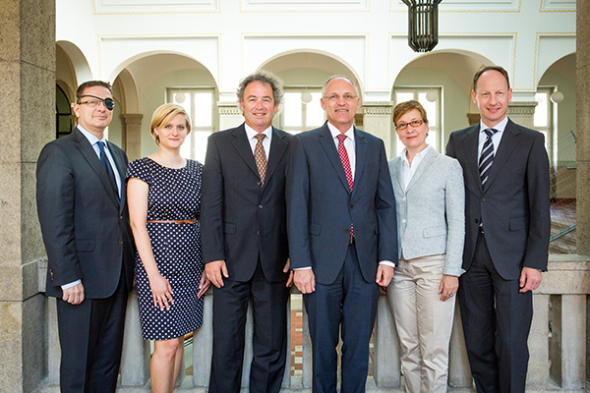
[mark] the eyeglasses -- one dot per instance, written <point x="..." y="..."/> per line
<point x="336" y="98"/>
<point x="108" y="102"/>
<point x="413" y="123"/>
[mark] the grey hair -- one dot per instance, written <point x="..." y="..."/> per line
<point x="330" y="79"/>
<point x="265" y="77"/>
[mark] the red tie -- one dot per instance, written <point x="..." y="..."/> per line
<point x="346" y="165"/>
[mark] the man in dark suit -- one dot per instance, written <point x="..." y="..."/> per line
<point x="507" y="226"/>
<point x="85" y="227"/>
<point x="342" y="235"/>
<point x="245" y="249"/>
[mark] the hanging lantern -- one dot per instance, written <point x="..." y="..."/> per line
<point x="422" y="24"/>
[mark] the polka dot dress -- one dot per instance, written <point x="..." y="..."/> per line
<point x="174" y="194"/>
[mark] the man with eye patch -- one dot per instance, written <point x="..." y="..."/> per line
<point x="81" y="201"/>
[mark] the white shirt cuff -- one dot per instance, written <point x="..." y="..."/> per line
<point x="303" y="268"/>
<point x="70" y="285"/>
<point x="386" y="262"/>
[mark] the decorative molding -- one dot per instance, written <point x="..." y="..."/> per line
<point x="228" y="109"/>
<point x="473" y="118"/>
<point x="525" y="108"/>
<point x="151" y="7"/>
<point x="383" y="108"/>
<point x="131" y="118"/>
<point x="556" y="6"/>
<point x="461" y="6"/>
<point x="536" y="58"/>
<point x="304" y="7"/>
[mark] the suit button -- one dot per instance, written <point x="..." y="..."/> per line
<point x="347" y="230"/>
<point x="258" y="183"/>
<point x="483" y="199"/>
<point x="257" y="233"/>
<point x="404" y="220"/>
<point x="120" y="241"/>
<point x="352" y="206"/>
<point x="120" y="217"/>
<point x="403" y="198"/>
<point x="260" y="206"/>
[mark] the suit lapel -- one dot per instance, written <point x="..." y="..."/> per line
<point x="90" y="156"/>
<point x="278" y="146"/>
<point x="471" y="146"/>
<point x="507" y="144"/>
<point x="242" y="145"/>
<point x="361" y="158"/>
<point x="327" y="143"/>
<point x="424" y="164"/>
<point x="121" y="165"/>
<point x="396" y="170"/>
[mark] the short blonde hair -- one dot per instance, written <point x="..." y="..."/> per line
<point x="164" y="115"/>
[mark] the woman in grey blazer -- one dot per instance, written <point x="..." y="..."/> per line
<point x="430" y="200"/>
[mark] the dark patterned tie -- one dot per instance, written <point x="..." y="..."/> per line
<point x="260" y="157"/>
<point x="346" y="165"/>
<point x="107" y="166"/>
<point x="486" y="159"/>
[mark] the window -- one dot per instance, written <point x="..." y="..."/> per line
<point x="298" y="116"/>
<point x="198" y="103"/>
<point x="63" y="112"/>
<point x="543" y="121"/>
<point x="432" y="110"/>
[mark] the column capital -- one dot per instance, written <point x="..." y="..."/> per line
<point x="131" y="118"/>
<point x="379" y="108"/>
<point x="230" y="108"/>
<point x="522" y="108"/>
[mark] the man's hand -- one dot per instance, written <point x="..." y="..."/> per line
<point x="530" y="279"/>
<point x="215" y="270"/>
<point x="74" y="295"/>
<point x="384" y="275"/>
<point x="285" y="270"/>
<point x="304" y="280"/>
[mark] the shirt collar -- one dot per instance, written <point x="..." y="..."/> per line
<point x="251" y="133"/>
<point x="500" y="127"/>
<point x="417" y="158"/>
<point x="91" y="137"/>
<point x="335" y="132"/>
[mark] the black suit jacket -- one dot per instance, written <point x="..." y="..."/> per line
<point x="514" y="205"/>
<point x="242" y="221"/>
<point x="321" y="206"/>
<point x="86" y="233"/>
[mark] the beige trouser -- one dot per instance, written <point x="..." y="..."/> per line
<point x="423" y="322"/>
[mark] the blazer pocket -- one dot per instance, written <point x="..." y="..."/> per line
<point x="435" y="231"/>
<point x="85" y="245"/>
<point x="315" y="229"/>
<point x="229" y="228"/>
<point x="518" y="223"/>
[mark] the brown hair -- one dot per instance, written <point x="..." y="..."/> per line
<point x="490" y="68"/>
<point x="404" y="107"/>
<point x="267" y="78"/>
<point x="164" y="115"/>
<point x="85" y="85"/>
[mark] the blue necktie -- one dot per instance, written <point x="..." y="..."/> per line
<point x="107" y="166"/>
<point x="487" y="156"/>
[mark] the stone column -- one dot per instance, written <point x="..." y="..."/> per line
<point x="230" y="115"/>
<point x="386" y="364"/>
<point x="523" y="113"/>
<point x="377" y="121"/>
<point x="27" y="94"/>
<point x="131" y="137"/>
<point x="583" y="127"/>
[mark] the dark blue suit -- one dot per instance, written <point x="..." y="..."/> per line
<point x="320" y="209"/>
<point x="87" y="236"/>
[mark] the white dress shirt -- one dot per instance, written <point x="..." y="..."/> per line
<point x="408" y="170"/>
<point x="496" y="138"/>
<point x="348" y="144"/>
<point x="251" y="134"/>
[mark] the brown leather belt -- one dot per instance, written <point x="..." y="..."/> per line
<point x="179" y="222"/>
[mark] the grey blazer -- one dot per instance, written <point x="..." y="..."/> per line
<point x="430" y="213"/>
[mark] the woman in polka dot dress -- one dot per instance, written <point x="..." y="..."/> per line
<point x="164" y="194"/>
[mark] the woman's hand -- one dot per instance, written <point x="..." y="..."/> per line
<point x="448" y="287"/>
<point x="203" y="285"/>
<point x="161" y="291"/>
